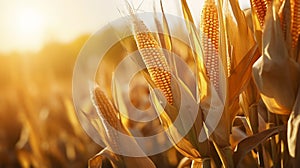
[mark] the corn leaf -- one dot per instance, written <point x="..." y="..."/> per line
<point x="249" y="143"/>
<point x="239" y="34"/>
<point x="97" y="160"/>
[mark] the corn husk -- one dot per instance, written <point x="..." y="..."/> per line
<point x="113" y="129"/>
<point x="275" y="70"/>
<point x="293" y="130"/>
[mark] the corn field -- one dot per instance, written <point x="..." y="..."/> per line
<point x="246" y="66"/>
<point x="220" y="91"/>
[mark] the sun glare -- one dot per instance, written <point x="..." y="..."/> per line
<point x="29" y="21"/>
<point x="29" y="28"/>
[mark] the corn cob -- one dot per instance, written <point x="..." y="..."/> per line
<point x="209" y="26"/>
<point x="260" y="8"/>
<point x="295" y="29"/>
<point x="108" y="115"/>
<point x="153" y="58"/>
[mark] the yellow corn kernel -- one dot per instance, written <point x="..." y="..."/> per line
<point x="153" y="58"/>
<point x="108" y="114"/>
<point x="295" y="28"/>
<point x="108" y="111"/>
<point x="260" y="8"/>
<point x="209" y="26"/>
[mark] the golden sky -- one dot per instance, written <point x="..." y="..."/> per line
<point x="28" y="24"/>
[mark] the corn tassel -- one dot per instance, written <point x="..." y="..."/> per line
<point x="154" y="58"/>
<point x="209" y="26"/>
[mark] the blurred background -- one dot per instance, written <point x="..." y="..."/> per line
<point x="39" y="43"/>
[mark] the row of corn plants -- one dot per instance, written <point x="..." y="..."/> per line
<point x="246" y="61"/>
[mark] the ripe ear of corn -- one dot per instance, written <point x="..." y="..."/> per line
<point x="295" y="28"/>
<point x="108" y="114"/>
<point x="260" y="7"/>
<point x="209" y="25"/>
<point x="275" y="64"/>
<point x="153" y="58"/>
<point x="106" y="108"/>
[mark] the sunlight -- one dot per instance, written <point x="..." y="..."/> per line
<point x="29" y="22"/>
<point x="29" y="28"/>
